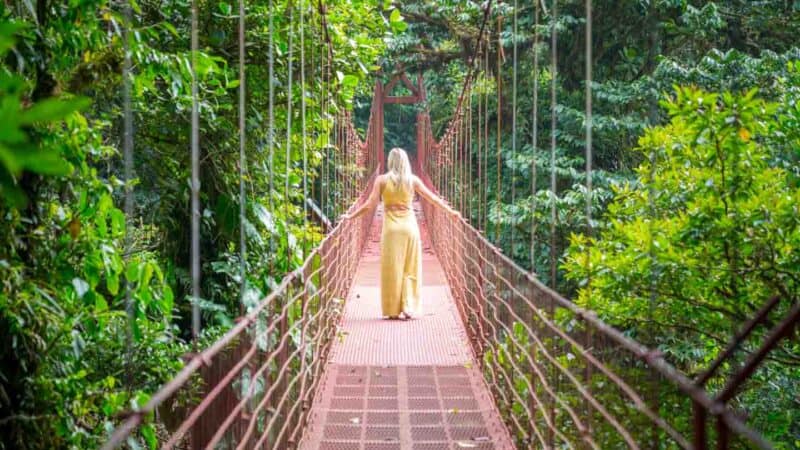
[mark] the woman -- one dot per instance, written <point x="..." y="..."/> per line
<point x="401" y="247"/>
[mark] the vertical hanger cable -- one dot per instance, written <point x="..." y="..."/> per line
<point x="499" y="120"/>
<point x="242" y="160"/>
<point x="195" y="185"/>
<point x="553" y="139"/>
<point x="553" y="186"/>
<point x="127" y="150"/>
<point x="271" y="125"/>
<point x="288" y="167"/>
<point x="303" y="126"/>
<point x="486" y="141"/>
<point x="513" y="130"/>
<point x="589" y="193"/>
<point x="535" y="138"/>
<point x="479" y="140"/>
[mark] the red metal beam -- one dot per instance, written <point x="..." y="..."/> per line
<point x="406" y="99"/>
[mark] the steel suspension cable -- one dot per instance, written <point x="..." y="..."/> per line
<point x="304" y="302"/>
<point x="589" y="193"/>
<point x="470" y="143"/>
<point x="453" y="158"/>
<point x="288" y="167"/>
<point x="195" y="185"/>
<point x="462" y="139"/>
<point x="499" y="81"/>
<point x="337" y="178"/>
<point x="127" y="150"/>
<point x="553" y="186"/>
<point x="534" y="402"/>
<point x="467" y="153"/>
<point x="303" y="126"/>
<point x="448" y="177"/>
<point x="451" y="180"/>
<point x="535" y="138"/>
<point x="311" y="76"/>
<point x="324" y="188"/>
<point x="486" y="144"/>
<point x="286" y="198"/>
<point x="271" y="126"/>
<point x="589" y="123"/>
<point x="287" y="174"/>
<point x="242" y="160"/>
<point x="479" y="142"/>
<point x="513" y="128"/>
<point x="553" y="139"/>
<point x="456" y="161"/>
<point x="651" y="256"/>
<point x="461" y="157"/>
<point x="329" y="126"/>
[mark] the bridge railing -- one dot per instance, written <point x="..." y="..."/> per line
<point x="561" y="377"/>
<point x="253" y="387"/>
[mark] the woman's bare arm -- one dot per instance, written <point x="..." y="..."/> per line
<point x="371" y="201"/>
<point x="427" y="194"/>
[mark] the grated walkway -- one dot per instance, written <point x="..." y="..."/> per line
<point x="405" y="385"/>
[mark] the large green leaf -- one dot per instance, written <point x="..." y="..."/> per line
<point x="52" y="109"/>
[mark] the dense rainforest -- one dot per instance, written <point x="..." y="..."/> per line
<point x="695" y="222"/>
<point x="695" y="216"/>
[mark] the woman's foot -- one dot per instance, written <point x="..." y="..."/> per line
<point x="392" y="317"/>
<point x="406" y="315"/>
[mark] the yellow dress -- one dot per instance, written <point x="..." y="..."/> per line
<point x="401" y="253"/>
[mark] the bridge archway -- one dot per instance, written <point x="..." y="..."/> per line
<point x="384" y="93"/>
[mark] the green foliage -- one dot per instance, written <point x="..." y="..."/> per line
<point x="711" y="228"/>
<point x="640" y="50"/>
<point x="78" y="354"/>
<point x="19" y="151"/>
<point x="646" y="49"/>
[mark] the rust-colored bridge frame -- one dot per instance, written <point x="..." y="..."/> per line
<point x="561" y="377"/>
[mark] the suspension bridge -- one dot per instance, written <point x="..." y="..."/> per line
<point x="498" y="360"/>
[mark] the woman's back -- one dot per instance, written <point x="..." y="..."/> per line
<point x="401" y="249"/>
<point x="397" y="194"/>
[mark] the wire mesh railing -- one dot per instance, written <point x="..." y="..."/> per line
<point x="253" y="387"/>
<point x="255" y="384"/>
<point x="560" y="376"/>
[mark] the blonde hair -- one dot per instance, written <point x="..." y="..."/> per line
<point x="399" y="168"/>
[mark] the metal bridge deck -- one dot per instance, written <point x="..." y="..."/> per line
<point x="406" y="385"/>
